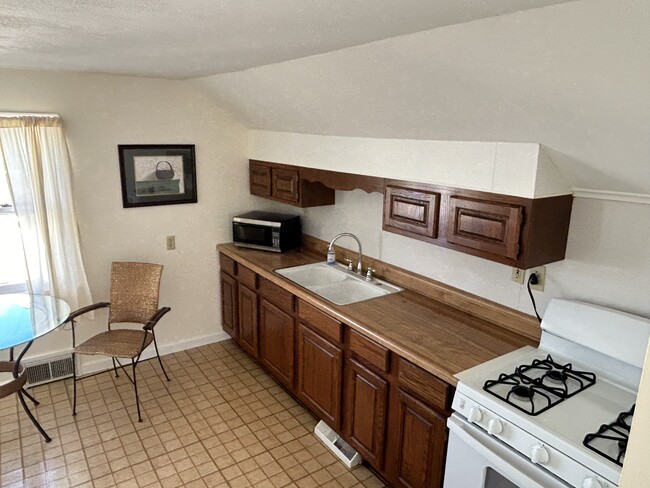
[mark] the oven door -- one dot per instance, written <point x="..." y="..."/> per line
<point x="475" y="459"/>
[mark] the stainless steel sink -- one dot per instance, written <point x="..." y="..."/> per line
<point x="335" y="283"/>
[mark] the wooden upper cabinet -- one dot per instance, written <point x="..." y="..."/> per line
<point x="489" y="227"/>
<point x="283" y="183"/>
<point x="412" y="211"/>
<point x="260" y="180"/>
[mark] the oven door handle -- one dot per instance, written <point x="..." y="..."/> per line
<point x="510" y="463"/>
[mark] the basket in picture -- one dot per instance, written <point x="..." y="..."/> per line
<point x="164" y="172"/>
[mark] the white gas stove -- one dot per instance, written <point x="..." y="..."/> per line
<point x="552" y="417"/>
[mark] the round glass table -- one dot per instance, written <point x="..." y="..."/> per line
<point x="24" y="318"/>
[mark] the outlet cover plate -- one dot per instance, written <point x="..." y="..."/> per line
<point x="518" y="275"/>
<point x="541" y="277"/>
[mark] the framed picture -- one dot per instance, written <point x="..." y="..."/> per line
<point x="157" y="174"/>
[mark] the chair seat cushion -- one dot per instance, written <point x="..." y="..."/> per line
<point x="121" y="343"/>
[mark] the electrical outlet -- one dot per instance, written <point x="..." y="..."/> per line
<point x="171" y="242"/>
<point x="518" y="275"/>
<point x="541" y="277"/>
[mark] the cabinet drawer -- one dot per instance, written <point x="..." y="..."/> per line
<point x="247" y="277"/>
<point x="284" y="184"/>
<point x="227" y="264"/>
<point x="324" y="324"/>
<point x="368" y="352"/>
<point x="490" y="227"/>
<point x="260" y="179"/>
<point x="423" y="385"/>
<point x="279" y="297"/>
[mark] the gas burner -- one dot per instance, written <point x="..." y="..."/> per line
<point x="536" y="387"/>
<point x="522" y="391"/>
<point x="561" y="378"/>
<point x="611" y="439"/>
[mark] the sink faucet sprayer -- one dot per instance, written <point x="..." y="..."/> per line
<point x="331" y="255"/>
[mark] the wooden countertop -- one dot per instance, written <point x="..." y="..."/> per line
<point x="437" y="337"/>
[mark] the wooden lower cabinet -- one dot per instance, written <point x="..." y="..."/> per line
<point x="247" y="308"/>
<point x="419" y="452"/>
<point x="276" y="342"/>
<point x="320" y="374"/>
<point x="366" y="406"/>
<point x="229" y="304"/>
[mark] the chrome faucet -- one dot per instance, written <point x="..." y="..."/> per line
<point x="331" y="255"/>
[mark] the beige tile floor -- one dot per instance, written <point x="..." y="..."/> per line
<point x="220" y="422"/>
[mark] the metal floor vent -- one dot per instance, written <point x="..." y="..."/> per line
<point x="51" y="369"/>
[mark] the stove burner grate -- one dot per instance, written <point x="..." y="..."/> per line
<point x="615" y="435"/>
<point x="536" y="387"/>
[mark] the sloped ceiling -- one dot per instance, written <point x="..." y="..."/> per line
<point x="190" y="38"/>
<point x="573" y="77"/>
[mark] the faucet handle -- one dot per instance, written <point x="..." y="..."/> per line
<point x="369" y="273"/>
<point x="350" y="267"/>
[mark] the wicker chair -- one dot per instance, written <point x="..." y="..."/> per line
<point x="134" y="296"/>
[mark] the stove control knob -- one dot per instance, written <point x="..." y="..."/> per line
<point x="475" y="415"/>
<point x="591" y="483"/>
<point x="495" y="427"/>
<point x="539" y="455"/>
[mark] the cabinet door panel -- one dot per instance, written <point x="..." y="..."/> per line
<point x="490" y="227"/>
<point x="365" y="412"/>
<point x="247" y="300"/>
<point x="285" y="184"/>
<point x="422" y="441"/>
<point x="320" y="371"/>
<point x="260" y="179"/>
<point x="414" y="211"/>
<point x="229" y="304"/>
<point x="276" y="341"/>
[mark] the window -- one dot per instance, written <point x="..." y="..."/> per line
<point x="13" y="272"/>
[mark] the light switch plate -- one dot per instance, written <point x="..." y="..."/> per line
<point x="171" y="242"/>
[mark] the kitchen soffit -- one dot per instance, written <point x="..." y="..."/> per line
<point x="185" y="39"/>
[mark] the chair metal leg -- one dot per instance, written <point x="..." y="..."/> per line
<point x="155" y="343"/>
<point x="74" y="384"/>
<point x="115" y="368"/>
<point x="32" y="418"/>
<point x="135" y="386"/>
<point x="34" y="400"/>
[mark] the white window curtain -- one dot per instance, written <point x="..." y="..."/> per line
<point x="34" y="152"/>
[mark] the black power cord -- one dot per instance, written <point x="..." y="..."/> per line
<point x="532" y="280"/>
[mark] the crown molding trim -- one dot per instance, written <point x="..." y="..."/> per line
<point x="617" y="196"/>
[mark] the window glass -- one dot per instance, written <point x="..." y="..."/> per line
<point x="13" y="274"/>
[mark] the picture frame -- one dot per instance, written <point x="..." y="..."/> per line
<point x="157" y="174"/>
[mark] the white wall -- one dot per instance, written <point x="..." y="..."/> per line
<point x="100" y="112"/>
<point x="573" y="77"/>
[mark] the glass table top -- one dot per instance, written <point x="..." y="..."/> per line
<point x="25" y="317"/>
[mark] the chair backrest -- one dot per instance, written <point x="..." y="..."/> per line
<point x="135" y="288"/>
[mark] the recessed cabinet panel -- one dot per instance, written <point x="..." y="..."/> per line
<point x="285" y="184"/>
<point x="411" y="210"/>
<point x="320" y="371"/>
<point x="366" y="407"/>
<point x="492" y="228"/>
<point x="276" y="339"/>
<point x="260" y="180"/>
<point x="229" y="304"/>
<point x="421" y="449"/>
<point x="247" y="305"/>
